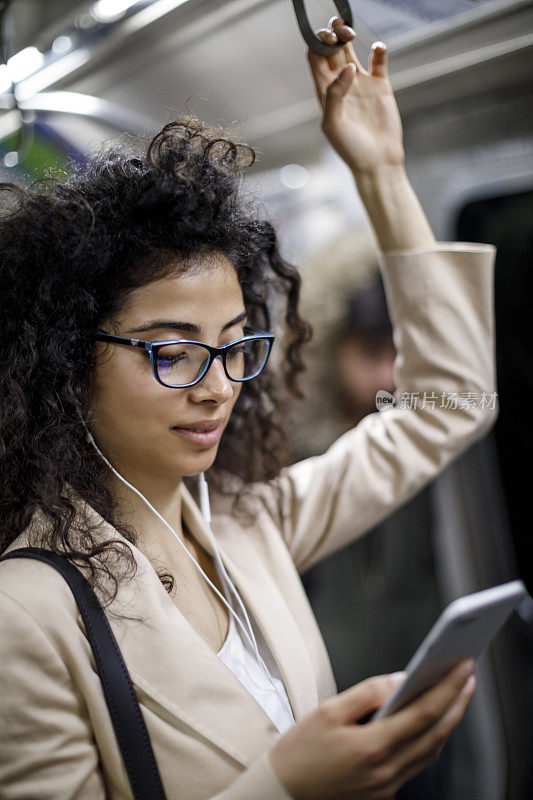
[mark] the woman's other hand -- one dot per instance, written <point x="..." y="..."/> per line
<point x="327" y="754"/>
<point x="360" y="116"/>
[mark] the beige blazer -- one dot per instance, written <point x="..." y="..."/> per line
<point x="210" y="737"/>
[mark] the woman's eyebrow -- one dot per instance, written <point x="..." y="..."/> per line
<point x="187" y="327"/>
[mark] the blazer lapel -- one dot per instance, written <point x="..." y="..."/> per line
<point x="172" y="665"/>
<point x="262" y="597"/>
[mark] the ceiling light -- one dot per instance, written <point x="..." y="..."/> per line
<point x="110" y="10"/>
<point x="24" y="63"/>
<point x="86" y="21"/>
<point x="5" y="80"/>
<point x="52" y="73"/>
<point x="61" y="44"/>
<point x="11" y="159"/>
<point x="294" y="176"/>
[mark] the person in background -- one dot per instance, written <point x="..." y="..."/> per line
<point x="351" y="354"/>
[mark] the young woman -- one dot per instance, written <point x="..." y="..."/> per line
<point x="105" y="430"/>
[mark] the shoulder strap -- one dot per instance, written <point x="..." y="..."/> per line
<point x="120" y="696"/>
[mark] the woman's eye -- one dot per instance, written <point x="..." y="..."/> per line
<point x="236" y="352"/>
<point x="166" y="360"/>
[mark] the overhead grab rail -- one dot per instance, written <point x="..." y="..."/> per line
<point x="312" y="40"/>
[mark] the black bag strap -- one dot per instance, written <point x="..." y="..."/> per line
<point x="128" y="722"/>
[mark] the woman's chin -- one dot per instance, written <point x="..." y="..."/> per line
<point x="198" y="463"/>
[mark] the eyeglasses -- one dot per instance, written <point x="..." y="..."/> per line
<point x="183" y="362"/>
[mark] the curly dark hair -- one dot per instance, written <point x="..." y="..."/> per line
<point x="72" y="250"/>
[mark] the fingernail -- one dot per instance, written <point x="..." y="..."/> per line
<point x="379" y="44"/>
<point x="470" y="684"/>
<point x="398" y="677"/>
<point x="327" y="36"/>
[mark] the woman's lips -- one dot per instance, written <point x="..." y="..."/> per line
<point x="205" y="434"/>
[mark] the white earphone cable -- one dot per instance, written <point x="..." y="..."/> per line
<point x="206" y="513"/>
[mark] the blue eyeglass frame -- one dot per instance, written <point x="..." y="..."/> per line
<point x="214" y="352"/>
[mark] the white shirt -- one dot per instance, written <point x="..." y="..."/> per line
<point x="238" y="656"/>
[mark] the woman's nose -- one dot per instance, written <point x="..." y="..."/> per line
<point x="215" y="385"/>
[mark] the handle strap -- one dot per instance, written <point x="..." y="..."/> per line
<point x="126" y="716"/>
<point x="312" y="40"/>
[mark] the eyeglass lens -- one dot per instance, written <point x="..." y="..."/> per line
<point x="179" y="364"/>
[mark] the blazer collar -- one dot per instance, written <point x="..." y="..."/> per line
<point x="177" y="670"/>
<point x="260" y="594"/>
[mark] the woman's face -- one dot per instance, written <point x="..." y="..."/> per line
<point x="144" y="427"/>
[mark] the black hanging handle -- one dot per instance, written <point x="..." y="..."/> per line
<point x="126" y="715"/>
<point x="314" y="43"/>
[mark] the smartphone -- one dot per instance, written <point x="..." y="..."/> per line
<point x="463" y="630"/>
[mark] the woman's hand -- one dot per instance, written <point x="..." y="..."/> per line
<point x="360" y="115"/>
<point x="328" y="755"/>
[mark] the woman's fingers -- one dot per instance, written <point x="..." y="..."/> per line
<point x="345" y="34"/>
<point x="407" y="743"/>
<point x="357" y="701"/>
<point x="321" y="74"/>
<point x="341" y="34"/>
<point x="327" y="35"/>
<point x="326" y="69"/>
<point x="336" y="33"/>
<point x="427" y="710"/>
<point x="421" y="751"/>
<point x="377" y="60"/>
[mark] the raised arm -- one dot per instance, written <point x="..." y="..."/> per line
<point x="362" y="123"/>
<point x="440" y="300"/>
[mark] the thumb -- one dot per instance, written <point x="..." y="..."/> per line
<point x="367" y="696"/>
<point x="337" y="90"/>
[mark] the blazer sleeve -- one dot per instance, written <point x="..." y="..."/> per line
<point x="441" y="304"/>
